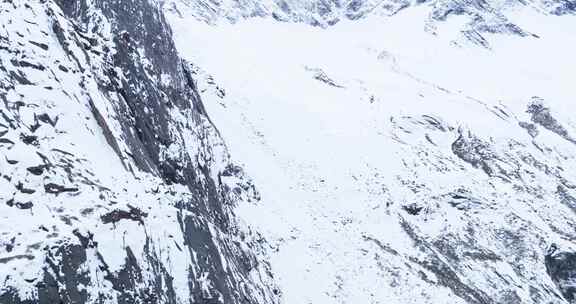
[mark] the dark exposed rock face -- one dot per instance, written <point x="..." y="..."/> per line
<point x="134" y="214"/>
<point x="145" y="102"/>
<point x="475" y="152"/>
<point x="561" y="267"/>
<point x="564" y="7"/>
<point x="116" y="66"/>
<point x="541" y="115"/>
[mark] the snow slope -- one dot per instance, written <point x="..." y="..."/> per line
<point x="396" y="165"/>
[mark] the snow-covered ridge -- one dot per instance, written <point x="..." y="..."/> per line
<point x="476" y="17"/>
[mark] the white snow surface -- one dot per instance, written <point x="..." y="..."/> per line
<point x="342" y="129"/>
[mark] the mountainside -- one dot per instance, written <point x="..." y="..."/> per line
<point x="400" y="165"/>
<point x="116" y="187"/>
<point x="323" y="151"/>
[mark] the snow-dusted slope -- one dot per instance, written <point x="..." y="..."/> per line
<point x="115" y="187"/>
<point x="395" y="166"/>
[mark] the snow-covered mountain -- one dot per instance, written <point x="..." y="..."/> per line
<point x="329" y="12"/>
<point x="322" y="151"/>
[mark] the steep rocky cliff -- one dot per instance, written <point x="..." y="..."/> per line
<point x="116" y="187"/>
